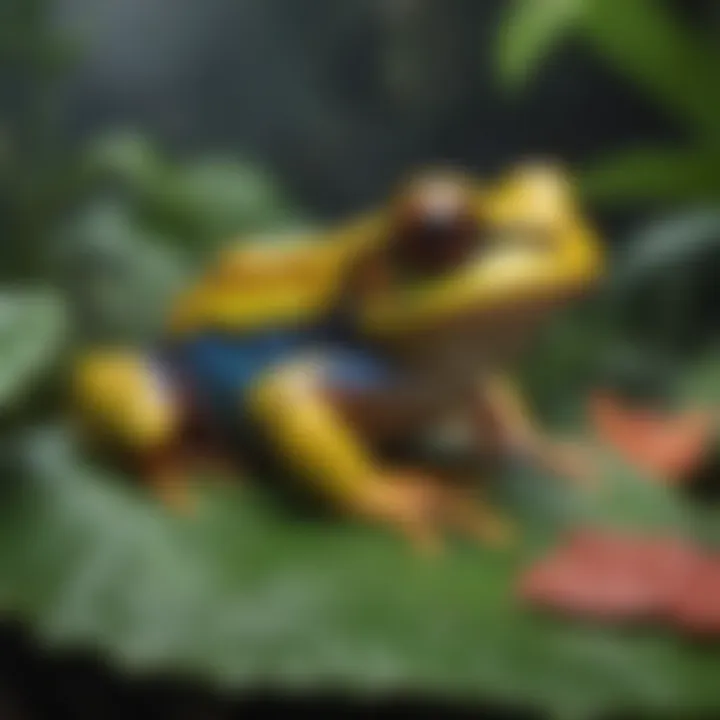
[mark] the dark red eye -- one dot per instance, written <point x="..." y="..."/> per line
<point x="435" y="228"/>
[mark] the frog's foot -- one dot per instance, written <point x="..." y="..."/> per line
<point x="175" y="495"/>
<point x="476" y="519"/>
<point x="495" y="530"/>
<point x="169" y="480"/>
<point x="574" y="461"/>
<point x="407" y="504"/>
<point x="425" y="541"/>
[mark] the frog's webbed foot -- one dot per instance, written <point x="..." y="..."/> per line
<point x="489" y="527"/>
<point x="170" y="480"/>
<point x="424" y="508"/>
<point x="425" y="539"/>
<point x="405" y="503"/>
<point x="173" y="477"/>
<point x="475" y="518"/>
<point x="574" y="461"/>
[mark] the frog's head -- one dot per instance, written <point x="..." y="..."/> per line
<point x="455" y="251"/>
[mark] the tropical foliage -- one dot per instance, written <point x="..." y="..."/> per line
<point x="243" y="594"/>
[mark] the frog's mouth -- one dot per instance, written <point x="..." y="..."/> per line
<point x="516" y="274"/>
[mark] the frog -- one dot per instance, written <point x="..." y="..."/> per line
<point x="333" y="354"/>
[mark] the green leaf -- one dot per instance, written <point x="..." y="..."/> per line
<point x="120" y="275"/>
<point x="32" y="332"/>
<point x="654" y="174"/>
<point x="203" y="202"/>
<point x="669" y="243"/>
<point x="649" y="45"/>
<point x="529" y="32"/>
<point x="703" y="383"/>
<point x="564" y="360"/>
<point x="127" y="157"/>
<point x="242" y="595"/>
<point x="658" y="272"/>
<point x="228" y="198"/>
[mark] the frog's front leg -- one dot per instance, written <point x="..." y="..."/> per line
<point x="501" y="414"/>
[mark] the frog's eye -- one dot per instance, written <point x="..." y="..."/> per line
<point x="435" y="232"/>
<point x="437" y="245"/>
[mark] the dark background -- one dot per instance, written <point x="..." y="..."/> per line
<point x="307" y="88"/>
<point x="337" y="99"/>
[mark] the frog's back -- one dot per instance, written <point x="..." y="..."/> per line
<point x="270" y="283"/>
<point x="260" y="304"/>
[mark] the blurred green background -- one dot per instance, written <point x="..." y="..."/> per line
<point x="138" y="135"/>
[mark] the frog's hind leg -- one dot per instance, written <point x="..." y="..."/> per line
<point x="122" y="400"/>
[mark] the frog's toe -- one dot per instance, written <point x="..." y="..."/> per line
<point x="426" y="542"/>
<point x="484" y="525"/>
<point x="169" y="481"/>
<point x="497" y="532"/>
<point x="177" y="498"/>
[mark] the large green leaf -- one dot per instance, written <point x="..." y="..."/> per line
<point x="648" y="44"/>
<point x="242" y="595"/>
<point x="658" y="282"/>
<point x="669" y="244"/>
<point x="642" y="39"/>
<point x="32" y="331"/>
<point x="529" y="32"/>
<point x="208" y="200"/>
<point x="654" y="175"/>
<point x="566" y="358"/>
<point x="127" y="157"/>
<point x="228" y="198"/>
<point x="120" y="275"/>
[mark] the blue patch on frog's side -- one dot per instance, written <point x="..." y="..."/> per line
<point x="355" y="369"/>
<point x="222" y="368"/>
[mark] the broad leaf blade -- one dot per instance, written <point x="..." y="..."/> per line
<point x="646" y="43"/>
<point x="119" y="276"/>
<point x="654" y="175"/>
<point x="244" y="596"/>
<point x="660" y="278"/>
<point x="126" y="157"/>
<point x="229" y="198"/>
<point x="529" y="32"/>
<point x="668" y="243"/>
<point x="32" y="331"/>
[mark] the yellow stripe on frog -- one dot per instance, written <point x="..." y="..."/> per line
<point x="272" y="282"/>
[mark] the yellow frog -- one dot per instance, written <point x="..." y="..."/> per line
<point x="328" y="357"/>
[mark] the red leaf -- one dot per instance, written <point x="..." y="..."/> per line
<point x="695" y="604"/>
<point x="609" y="575"/>
<point x="667" y="447"/>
